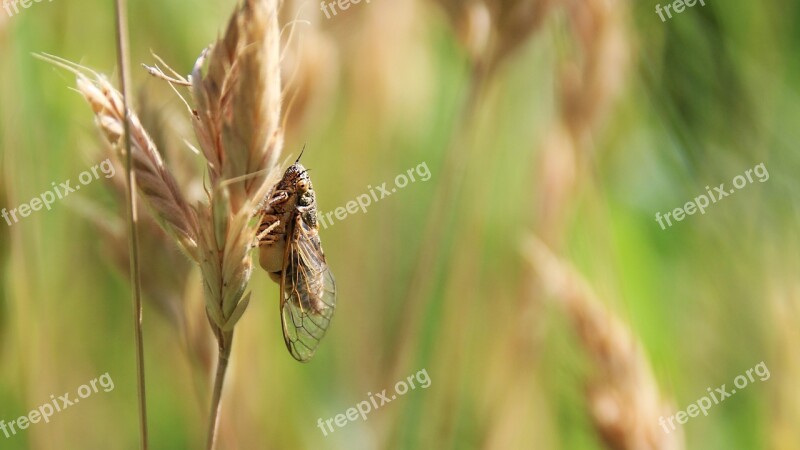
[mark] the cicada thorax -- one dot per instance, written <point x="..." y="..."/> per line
<point x="307" y="207"/>
<point x="292" y="196"/>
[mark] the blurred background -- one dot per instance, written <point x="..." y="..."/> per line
<point x="527" y="276"/>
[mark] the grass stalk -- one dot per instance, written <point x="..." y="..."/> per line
<point x="219" y="383"/>
<point x="237" y="121"/>
<point x="133" y="241"/>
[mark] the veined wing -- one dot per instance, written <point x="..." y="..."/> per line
<point x="308" y="292"/>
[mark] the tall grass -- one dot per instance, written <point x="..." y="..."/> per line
<point x="133" y="231"/>
<point x="598" y="116"/>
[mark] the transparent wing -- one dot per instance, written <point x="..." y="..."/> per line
<point x="309" y="292"/>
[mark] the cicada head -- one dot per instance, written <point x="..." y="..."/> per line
<point x="295" y="179"/>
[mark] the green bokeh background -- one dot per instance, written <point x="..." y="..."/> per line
<point x="709" y="94"/>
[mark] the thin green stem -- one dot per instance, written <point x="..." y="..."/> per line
<point x="133" y="241"/>
<point x="226" y="343"/>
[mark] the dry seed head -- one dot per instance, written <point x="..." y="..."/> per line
<point x="514" y="22"/>
<point x="226" y="266"/>
<point x="472" y="22"/>
<point x="491" y="30"/>
<point x="624" y="399"/>
<point x="590" y="81"/>
<point x="169" y="127"/>
<point x="591" y="84"/>
<point x="475" y="29"/>
<point x="238" y="101"/>
<point x="237" y="122"/>
<point x="155" y="182"/>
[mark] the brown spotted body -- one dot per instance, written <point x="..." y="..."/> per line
<point x="291" y="252"/>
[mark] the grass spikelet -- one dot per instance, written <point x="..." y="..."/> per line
<point x="491" y="30"/>
<point x="237" y="122"/>
<point x="154" y="180"/>
<point x="624" y="400"/>
<point x="236" y="117"/>
<point x="238" y="100"/>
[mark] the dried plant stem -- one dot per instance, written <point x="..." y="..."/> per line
<point x="237" y="104"/>
<point x="133" y="242"/>
<point x="226" y="344"/>
<point x="237" y="121"/>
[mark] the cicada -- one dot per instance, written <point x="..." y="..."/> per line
<point x="291" y="252"/>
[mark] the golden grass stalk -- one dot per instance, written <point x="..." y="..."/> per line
<point x="5" y="250"/>
<point x="237" y="122"/>
<point x="236" y="117"/>
<point x="124" y="81"/>
<point x="144" y="170"/>
<point x="624" y="400"/>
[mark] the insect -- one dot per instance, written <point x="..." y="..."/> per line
<point x="291" y="252"/>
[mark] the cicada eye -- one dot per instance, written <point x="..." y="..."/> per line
<point x="302" y="185"/>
